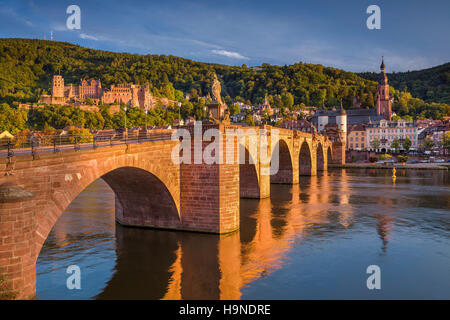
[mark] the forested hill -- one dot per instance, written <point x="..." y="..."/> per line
<point x="26" y="68"/>
<point x="432" y="85"/>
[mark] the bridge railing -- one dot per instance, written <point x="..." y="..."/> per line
<point x="43" y="143"/>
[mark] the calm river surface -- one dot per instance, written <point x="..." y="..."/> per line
<point x="314" y="240"/>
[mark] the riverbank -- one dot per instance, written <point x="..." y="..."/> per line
<point x="415" y="166"/>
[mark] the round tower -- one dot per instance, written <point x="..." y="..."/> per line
<point x="341" y="119"/>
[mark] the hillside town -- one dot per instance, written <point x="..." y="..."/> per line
<point x="274" y="152"/>
<point x="363" y="132"/>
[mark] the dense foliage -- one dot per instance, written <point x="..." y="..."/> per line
<point x="431" y="85"/>
<point x="27" y="66"/>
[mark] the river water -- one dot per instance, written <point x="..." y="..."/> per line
<point x="314" y="240"/>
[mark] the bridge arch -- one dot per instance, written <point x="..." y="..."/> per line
<point x="141" y="199"/>
<point x="305" y="160"/>
<point x="285" y="165"/>
<point x="248" y="177"/>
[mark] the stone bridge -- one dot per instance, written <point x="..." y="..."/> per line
<point x="151" y="189"/>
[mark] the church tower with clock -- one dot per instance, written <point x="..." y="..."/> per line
<point x="384" y="105"/>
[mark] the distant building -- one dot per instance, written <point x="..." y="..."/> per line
<point x="265" y="107"/>
<point x="189" y="121"/>
<point x="238" y="117"/>
<point x="363" y="116"/>
<point x="5" y="136"/>
<point x="300" y="125"/>
<point x="274" y="118"/>
<point x="256" y="119"/>
<point x="422" y="124"/>
<point x="435" y="132"/>
<point x="178" y="122"/>
<point x="356" y="137"/>
<point x="387" y="131"/>
<point x="308" y="111"/>
<point x="294" y="114"/>
<point x="333" y="124"/>
<point x="104" y="135"/>
<point x="338" y="137"/>
<point x="243" y="106"/>
<point x="324" y="117"/>
<point x="132" y="95"/>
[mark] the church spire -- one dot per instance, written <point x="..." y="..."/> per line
<point x="383" y="77"/>
<point x="383" y="100"/>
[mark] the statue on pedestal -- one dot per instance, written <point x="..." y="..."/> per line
<point x="217" y="108"/>
<point x="216" y="90"/>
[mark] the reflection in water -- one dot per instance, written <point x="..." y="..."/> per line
<point x="311" y="240"/>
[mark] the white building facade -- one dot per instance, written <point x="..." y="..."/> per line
<point x="388" y="131"/>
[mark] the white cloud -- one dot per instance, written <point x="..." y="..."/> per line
<point x="206" y="44"/>
<point x="230" y="54"/>
<point x="59" y="27"/>
<point x="88" y="37"/>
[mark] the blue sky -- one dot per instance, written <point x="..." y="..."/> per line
<point x="414" y="34"/>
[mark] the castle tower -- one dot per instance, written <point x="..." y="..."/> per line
<point x="384" y="106"/>
<point x="58" y="86"/>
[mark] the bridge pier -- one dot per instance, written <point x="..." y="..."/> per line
<point x="17" y="243"/>
<point x="209" y="193"/>
<point x="210" y="197"/>
<point x="264" y="181"/>
<point x="338" y="152"/>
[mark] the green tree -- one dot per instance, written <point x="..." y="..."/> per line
<point x="406" y="144"/>
<point x="375" y="143"/>
<point x="428" y="143"/>
<point x="445" y="142"/>
<point x="395" y="144"/>
<point x="76" y="135"/>
<point x="288" y="100"/>
<point x="179" y="95"/>
<point x="408" y="118"/>
<point x="235" y="109"/>
<point x="384" y="157"/>
<point x="249" y="120"/>
<point x="402" y="159"/>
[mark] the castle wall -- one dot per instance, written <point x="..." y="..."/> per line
<point x="137" y="96"/>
